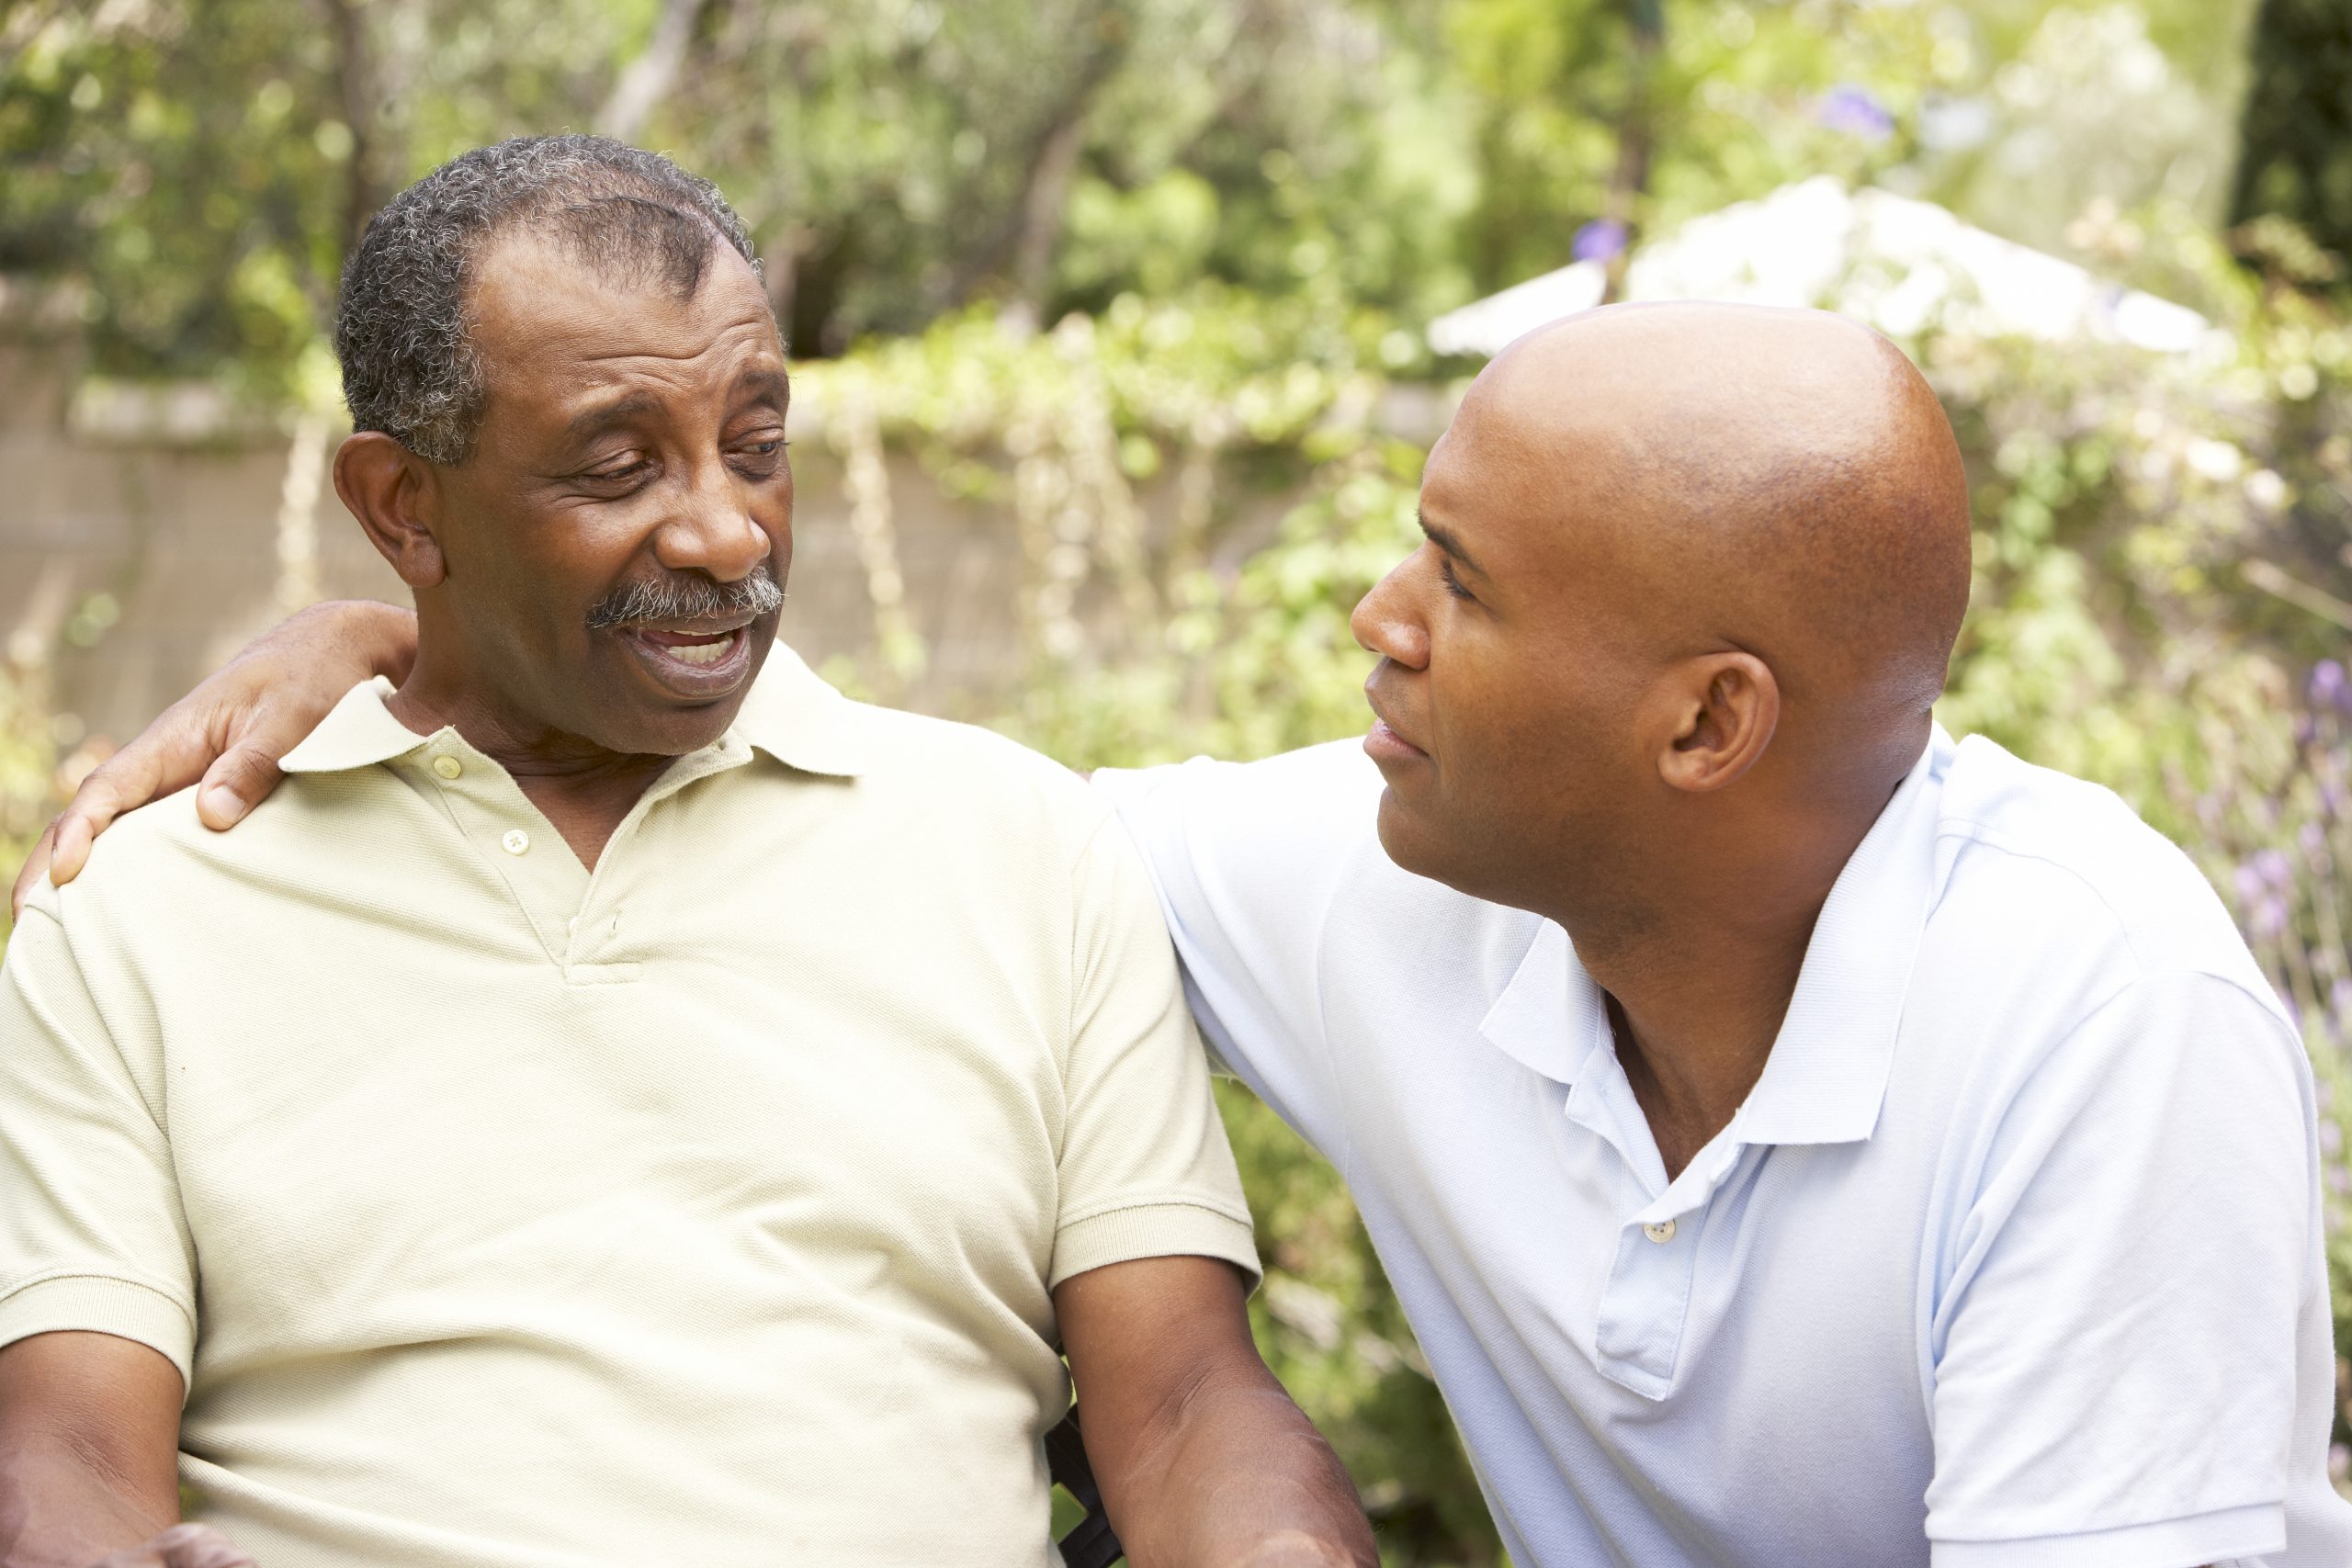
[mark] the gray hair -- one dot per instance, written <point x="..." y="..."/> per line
<point x="400" y="330"/>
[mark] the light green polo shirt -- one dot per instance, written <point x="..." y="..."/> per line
<point x="699" y="1211"/>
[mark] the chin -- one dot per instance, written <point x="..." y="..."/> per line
<point x="1407" y="840"/>
<point x="1467" y="862"/>
<point x="667" y="733"/>
<point x="632" y="711"/>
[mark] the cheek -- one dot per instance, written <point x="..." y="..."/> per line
<point x="1517" y="724"/>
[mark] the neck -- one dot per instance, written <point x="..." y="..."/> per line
<point x="584" y="790"/>
<point x="1699" y="975"/>
<point x="1695" y="1013"/>
<point x="1700" y="963"/>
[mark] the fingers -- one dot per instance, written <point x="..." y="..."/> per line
<point x="133" y="776"/>
<point x="181" y="1546"/>
<point x="29" y="873"/>
<point x="243" y="776"/>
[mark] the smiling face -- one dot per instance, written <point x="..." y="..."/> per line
<point x="614" y="548"/>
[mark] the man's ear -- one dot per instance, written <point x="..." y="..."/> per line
<point x="1727" y="706"/>
<point x="393" y="492"/>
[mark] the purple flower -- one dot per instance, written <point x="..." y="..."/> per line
<point x="1852" y="110"/>
<point x="2274" y="868"/>
<point x="2328" y="684"/>
<point x="2269" y="916"/>
<point x="2249" y="883"/>
<point x="1600" y="240"/>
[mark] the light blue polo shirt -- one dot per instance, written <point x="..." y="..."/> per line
<point x="2013" y="1257"/>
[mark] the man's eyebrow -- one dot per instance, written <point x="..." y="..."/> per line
<point x="765" y="386"/>
<point x="1450" y="545"/>
<point x="753" y="386"/>
<point x="604" y="416"/>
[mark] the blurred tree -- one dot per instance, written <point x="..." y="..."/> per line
<point x="2295" y="156"/>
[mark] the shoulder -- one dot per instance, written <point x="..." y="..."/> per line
<point x="158" y="875"/>
<point x="2050" y="875"/>
<point x="158" y="846"/>
<point x="1298" y="818"/>
<point x="966" y="769"/>
<point x="963" y="800"/>
<point x="1276" y="860"/>
<point x="2076" y="970"/>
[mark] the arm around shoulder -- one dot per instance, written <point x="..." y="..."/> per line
<point x="231" y="731"/>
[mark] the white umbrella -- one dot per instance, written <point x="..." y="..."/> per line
<point x="1896" y="263"/>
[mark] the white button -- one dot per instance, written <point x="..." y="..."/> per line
<point x="1661" y="1232"/>
<point x="447" y="767"/>
<point x="516" y="840"/>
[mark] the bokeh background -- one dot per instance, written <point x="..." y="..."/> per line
<point x="1122" y="327"/>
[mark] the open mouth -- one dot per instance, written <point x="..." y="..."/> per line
<point x="701" y="649"/>
<point x="694" y="661"/>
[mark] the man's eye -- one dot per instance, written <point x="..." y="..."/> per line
<point x="761" y="459"/>
<point x="618" y="472"/>
<point x="1454" y="583"/>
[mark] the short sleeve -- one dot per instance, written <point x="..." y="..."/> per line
<point x="2116" y="1361"/>
<point x="92" y="1236"/>
<point x="1247" y="859"/>
<point x="1145" y="1170"/>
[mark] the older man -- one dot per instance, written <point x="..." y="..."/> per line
<point x="603" y="1110"/>
<point x="1798" y="1139"/>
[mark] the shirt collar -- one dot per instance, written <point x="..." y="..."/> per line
<point x="1551" y="1015"/>
<point x="792" y="715"/>
<point x="359" y="732"/>
<point x="789" y="713"/>
<point x="1827" y="1074"/>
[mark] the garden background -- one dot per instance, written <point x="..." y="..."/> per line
<point x="1112" y="383"/>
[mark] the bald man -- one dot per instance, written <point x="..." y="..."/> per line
<point x="1797" y="1138"/>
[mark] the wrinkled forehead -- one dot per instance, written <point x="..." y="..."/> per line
<point x="545" y="323"/>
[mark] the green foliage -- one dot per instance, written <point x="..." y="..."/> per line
<point x="205" y="164"/>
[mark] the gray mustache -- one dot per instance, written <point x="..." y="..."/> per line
<point x="687" y="599"/>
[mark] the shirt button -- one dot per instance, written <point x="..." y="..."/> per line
<point x="1661" y="1232"/>
<point x="447" y="767"/>
<point x="517" y="841"/>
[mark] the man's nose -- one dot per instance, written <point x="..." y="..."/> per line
<point x="1387" y="621"/>
<point x="712" y="530"/>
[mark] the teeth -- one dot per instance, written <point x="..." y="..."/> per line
<point x="701" y="652"/>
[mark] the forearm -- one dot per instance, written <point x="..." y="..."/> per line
<point x="90" y="1449"/>
<point x="61" y="1508"/>
<point x="1234" y="1476"/>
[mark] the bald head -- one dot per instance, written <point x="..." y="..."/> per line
<point x="1781" y="481"/>
<point x="1673" y="548"/>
